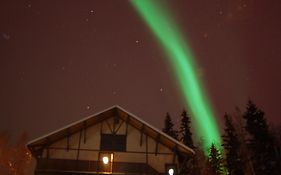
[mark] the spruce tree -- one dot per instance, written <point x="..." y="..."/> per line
<point x="231" y="145"/>
<point x="215" y="161"/>
<point x="169" y="127"/>
<point x="187" y="167"/>
<point x="185" y="130"/>
<point x="261" y="142"/>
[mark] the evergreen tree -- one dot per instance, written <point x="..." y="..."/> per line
<point x="261" y="142"/>
<point x="169" y="127"/>
<point x="185" y="130"/>
<point x="186" y="138"/>
<point x="215" y="161"/>
<point x="232" y="148"/>
<point x="242" y="137"/>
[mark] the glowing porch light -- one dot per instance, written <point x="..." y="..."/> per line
<point x="171" y="171"/>
<point x="105" y="160"/>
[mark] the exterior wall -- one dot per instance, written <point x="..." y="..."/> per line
<point x="92" y="138"/>
<point x="135" y="152"/>
<point x="133" y="140"/>
<point x="164" y="156"/>
<point x="130" y="157"/>
<point x="158" y="162"/>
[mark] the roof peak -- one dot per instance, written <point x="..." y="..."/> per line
<point x="98" y="117"/>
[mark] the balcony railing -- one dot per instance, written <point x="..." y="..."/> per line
<point x="63" y="166"/>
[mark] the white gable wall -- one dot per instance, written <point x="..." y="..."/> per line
<point x="134" y="152"/>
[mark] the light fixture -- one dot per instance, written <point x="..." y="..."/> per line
<point x="105" y="160"/>
<point x="171" y="171"/>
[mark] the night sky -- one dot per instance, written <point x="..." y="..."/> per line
<point x="63" y="60"/>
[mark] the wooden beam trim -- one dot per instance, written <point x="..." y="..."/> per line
<point x="141" y="134"/>
<point x="157" y="143"/>
<point x="119" y="126"/>
<point x="84" y="132"/>
<point x="98" y="150"/>
<point x="115" y="118"/>
<point x="109" y="126"/>
<point x="113" y="127"/>
<point x="67" y="140"/>
<point x="146" y="149"/>
<point x="79" y="144"/>
<point x="127" y="124"/>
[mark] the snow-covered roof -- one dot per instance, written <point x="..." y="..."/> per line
<point x="107" y="113"/>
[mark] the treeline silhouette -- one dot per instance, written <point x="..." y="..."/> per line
<point x="249" y="145"/>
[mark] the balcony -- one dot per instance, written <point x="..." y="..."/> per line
<point x="85" y="167"/>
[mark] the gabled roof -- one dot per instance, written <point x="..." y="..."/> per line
<point x="100" y="116"/>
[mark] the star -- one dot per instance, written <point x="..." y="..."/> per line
<point x="88" y="107"/>
<point x="92" y="12"/>
<point x="205" y="35"/>
<point x="6" y="36"/>
<point x="137" y="41"/>
<point x="230" y="15"/>
<point x="239" y="8"/>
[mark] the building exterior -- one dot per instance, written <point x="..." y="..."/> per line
<point x="113" y="141"/>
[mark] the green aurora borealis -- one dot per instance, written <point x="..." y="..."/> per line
<point x="180" y="56"/>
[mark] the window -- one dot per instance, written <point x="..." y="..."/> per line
<point x="111" y="142"/>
